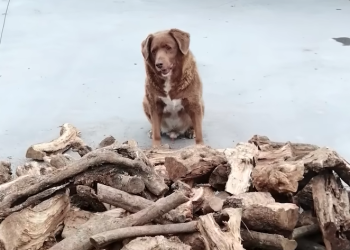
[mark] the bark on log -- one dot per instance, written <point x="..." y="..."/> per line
<point x="214" y="238"/>
<point x="31" y="227"/>
<point x="5" y="172"/>
<point x="188" y="163"/>
<point x="68" y="135"/>
<point x="252" y="239"/>
<point x="103" y="239"/>
<point x="219" y="177"/>
<point x="97" y="224"/>
<point x="242" y="160"/>
<point x="157" y="242"/>
<point x="134" y="203"/>
<point x="331" y="204"/>
<point x="129" y="159"/>
<point x="248" y="199"/>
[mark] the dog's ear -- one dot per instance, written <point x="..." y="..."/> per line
<point x="145" y="46"/>
<point x="182" y="38"/>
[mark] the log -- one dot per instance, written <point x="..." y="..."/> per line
<point x="264" y="144"/>
<point x="252" y="239"/>
<point x="304" y="244"/>
<point x="247" y="199"/>
<point x="68" y="135"/>
<point x="303" y="231"/>
<point x="127" y="158"/>
<point x="331" y="203"/>
<point x="275" y="218"/>
<point x="162" y="172"/>
<point x="214" y="238"/>
<point x="133" y="203"/>
<point x="98" y="224"/>
<point x="157" y="242"/>
<point x="79" y="146"/>
<point x="108" y="141"/>
<point x="242" y="160"/>
<point x="188" y="163"/>
<point x="74" y="219"/>
<point x="194" y="240"/>
<point x="88" y="195"/>
<point x="5" y="171"/>
<point x="35" y="168"/>
<point x="103" y="239"/>
<point x="31" y="227"/>
<point x="219" y="177"/>
<point x="60" y="160"/>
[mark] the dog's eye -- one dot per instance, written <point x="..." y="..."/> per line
<point x="167" y="47"/>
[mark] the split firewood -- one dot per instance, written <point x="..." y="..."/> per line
<point x="157" y="242"/>
<point x="194" y="240"/>
<point x="264" y="144"/>
<point x="303" y="231"/>
<point x="258" y="240"/>
<point x="108" y="237"/>
<point x="331" y="203"/>
<point x="5" y="172"/>
<point x="97" y="224"/>
<point x="127" y="158"/>
<point x="31" y="227"/>
<point x="190" y="162"/>
<point x="242" y="160"/>
<point x="76" y="217"/>
<point x="219" y="177"/>
<point x="304" y="244"/>
<point x="68" y="135"/>
<point x="35" y="168"/>
<point x="88" y="195"/>
<point x="134" y="203"/>
<point x="215" y="238"/>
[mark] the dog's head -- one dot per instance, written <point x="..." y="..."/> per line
<point x="162" y="50"/>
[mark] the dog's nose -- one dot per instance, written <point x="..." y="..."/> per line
<point x="159" y="65"/>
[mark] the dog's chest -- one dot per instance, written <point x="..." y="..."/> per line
<point x="172" y="106"/>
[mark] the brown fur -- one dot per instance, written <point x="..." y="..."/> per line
<point x="170" y="49"/>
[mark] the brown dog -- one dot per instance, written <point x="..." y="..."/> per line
<point x="173" y="100"/>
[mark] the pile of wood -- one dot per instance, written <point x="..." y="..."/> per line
<point x="259" y="194"/>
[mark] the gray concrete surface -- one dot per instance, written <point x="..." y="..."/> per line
<point x="269" y="67"/>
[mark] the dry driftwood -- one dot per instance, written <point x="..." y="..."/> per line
<point x="157" y="242"/>
<point x="35" y="168"/>
<point x="241" y="159"/>
<point x="214" y="238"/>
<point x="331" y="203"/>
<point x="130" y="159"/>
<point x="134" y="203"/>
<point x="99" y="224"/>
<point x="252" y="239"/>
<point x="68" y="135"/>
<point x="31" y="227"/>
<point x="106" y="238"/>
<point x="188" y="163"/>
<point x="5" y="172"/>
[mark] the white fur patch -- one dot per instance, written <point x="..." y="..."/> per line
<point x="172" y="107"/>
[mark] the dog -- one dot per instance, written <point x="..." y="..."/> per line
<point x="173" y="101"/>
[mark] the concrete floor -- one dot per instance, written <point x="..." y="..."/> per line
<point x="269" y="67"/>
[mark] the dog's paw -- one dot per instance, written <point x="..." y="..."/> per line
<point x="190" y="134"/>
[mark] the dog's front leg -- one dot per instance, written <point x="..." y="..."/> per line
<point x="195" y="112"/>
<point x="156" y="121"/>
